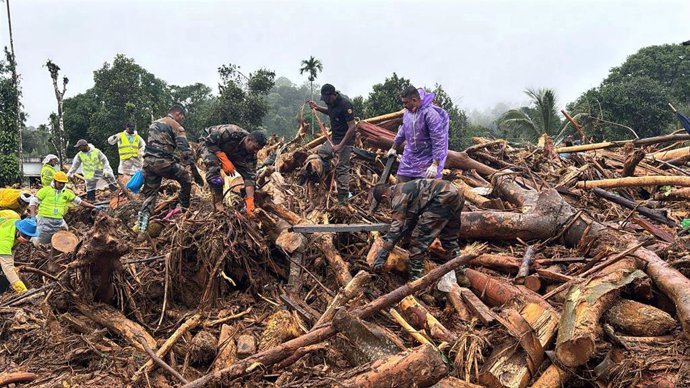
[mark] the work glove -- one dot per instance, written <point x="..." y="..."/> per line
<point x="391" y="152"/>
<point x="216" y="181"/>
<point x="19" y="287"/>
<point x="225" y="163"/>
<point x="380" y="260"/>
<point x="101" y="207"/>
<point x="431" y="171"/>
<point x="249" y="203"/>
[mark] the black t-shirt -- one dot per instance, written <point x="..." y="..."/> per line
<point x="340" y="113"/>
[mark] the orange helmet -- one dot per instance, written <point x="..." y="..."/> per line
<point x="60" y="177"/>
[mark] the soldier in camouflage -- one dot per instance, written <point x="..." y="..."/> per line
<point x="231" y="148"/>
<point x="166" y="156"/>
<point x="424" y="208"/>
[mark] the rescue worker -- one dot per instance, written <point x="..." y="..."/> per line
<point x="425" y="134"/>
<point x="48" y="169"/>
<point x="231" y="148"/>
<point x="422" y="209"/>
<point x="166" y="137"/>
<point x="52" y="203"/>
<point x="94" y="165"/>
<point x="130" y="147"/>
<point x="342" y="118"/>
<point x="12" y="231"/>
<point x="14" y="199"/>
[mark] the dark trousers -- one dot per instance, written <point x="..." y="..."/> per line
<point x="342" y="167"/>
<point x="155" y="169"/>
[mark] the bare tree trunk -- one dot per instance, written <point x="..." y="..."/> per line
<point x="15" y="82"/>
<point x="59" y="127"/>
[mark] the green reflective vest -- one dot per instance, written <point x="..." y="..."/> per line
<point x="90" y="163"/>
<point x="53" y="202"/>
<point x="7" y="235"/>
<point x="47" y="172"/>
<point x="126" y="149"/>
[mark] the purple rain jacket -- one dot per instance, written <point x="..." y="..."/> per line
<point x="426" y="135"/>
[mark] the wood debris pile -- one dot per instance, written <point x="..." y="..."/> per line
<point x="574" y="274"/>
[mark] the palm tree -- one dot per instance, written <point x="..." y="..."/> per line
<point x="313" y="67"/>
<point x="539" y="118"/>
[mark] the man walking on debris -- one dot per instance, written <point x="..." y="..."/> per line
<point x="12" y="231"/>
<point x="130" y="147"/>
<point x="231" y="148"/>
<point x="424" y="208"/>
<point x="48" y="169"/>
<point x="94" y="165"/>
<point x="342" y="119"/>
<point x="425" y="133"/>
<point x="52" y="203"/>
<point x="166" y="137"/>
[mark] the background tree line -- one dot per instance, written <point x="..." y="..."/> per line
<point x="632" y="99"/>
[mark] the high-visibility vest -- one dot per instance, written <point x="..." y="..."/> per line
<point x="126" y="149"/>
<point x="47" y="172"/>
<point x="54" y="202"/>
<point x="7" y="214"/>
<point x="7" y="234"/>
<point x="90" y="163"/>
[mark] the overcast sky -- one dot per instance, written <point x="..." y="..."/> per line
<point x="482" y="52"/>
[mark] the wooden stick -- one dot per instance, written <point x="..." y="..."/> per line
<point x="160" y="362"/>
<point x="656" y="180"/>
<point x="350" y="291"/>
<point x="409" y="329"/>
<point x="16" y="377"/>
<point x="524" y="266"/>
<point x="191" y="323"/>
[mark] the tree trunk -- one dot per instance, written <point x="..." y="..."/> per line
<point x="420" y="367"/>
<point x="227" y="350"/>
<point x="632" y="161"/>
<point x="351" y="290"/>
<point x="585" y="304"/>
<point x="419" y="317"/>
<point x="552" y="377"/>
<point x="639" y="319"/>
<point x="116" y="322"/>
<point x="658" y="180"/>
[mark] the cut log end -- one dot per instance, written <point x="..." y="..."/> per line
<point x="576" y="351"/>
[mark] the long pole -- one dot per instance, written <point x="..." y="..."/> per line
<point x="15" y="80"/>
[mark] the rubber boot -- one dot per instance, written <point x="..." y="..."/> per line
<point x="416" y="269"/>
<point x="19" y="287"/>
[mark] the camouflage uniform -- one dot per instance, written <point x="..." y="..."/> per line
<point x="166" y="136"/>
<point x="227" y="138"/>
<point x="429" y="208"/>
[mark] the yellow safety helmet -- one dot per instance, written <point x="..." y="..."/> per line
<point x="60" y="177"/>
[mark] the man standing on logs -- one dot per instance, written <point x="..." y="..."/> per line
<point x="231" y="148"/>
<point x="94" y="165"/>
<point x="130" y="147"/>
<point x="166" y="136"/>
<point x="342" y="117"/>
<point x="426" y="208"/>
<point x="425" y="133"/>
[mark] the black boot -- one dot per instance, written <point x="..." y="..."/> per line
<point x="416" y="270"/>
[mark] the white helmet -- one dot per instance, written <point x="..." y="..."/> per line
<point x="49" y="157"/>
<point x="25" y="197"/>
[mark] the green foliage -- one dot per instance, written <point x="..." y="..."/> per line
<point x="284" y="102"/>
<point x="242" y="99"/>
<point x="9" y="124"/>
<point x="457" y="138"/>
<point x="36" y="141"/>
<point x="385" y="97"/>
<point x="199" y="101"/>
<point x="530" y="122"/>
<point x="633" y="98"/>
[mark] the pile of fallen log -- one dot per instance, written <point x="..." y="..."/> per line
<point x="574" y="273"/>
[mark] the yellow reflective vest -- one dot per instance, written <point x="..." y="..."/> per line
<point x="90" y="162"/>
<point x="47" y="172"/>
<point x="7" y="234"/>
<point x="128" y="149"/>
<point x="54" y="202"/>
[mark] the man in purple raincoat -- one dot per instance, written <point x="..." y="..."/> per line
<point x="425" y="133"/>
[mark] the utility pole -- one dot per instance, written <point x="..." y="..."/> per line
<point x="15" y="80"/>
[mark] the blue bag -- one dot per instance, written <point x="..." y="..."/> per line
<point x="136" y="181"/>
